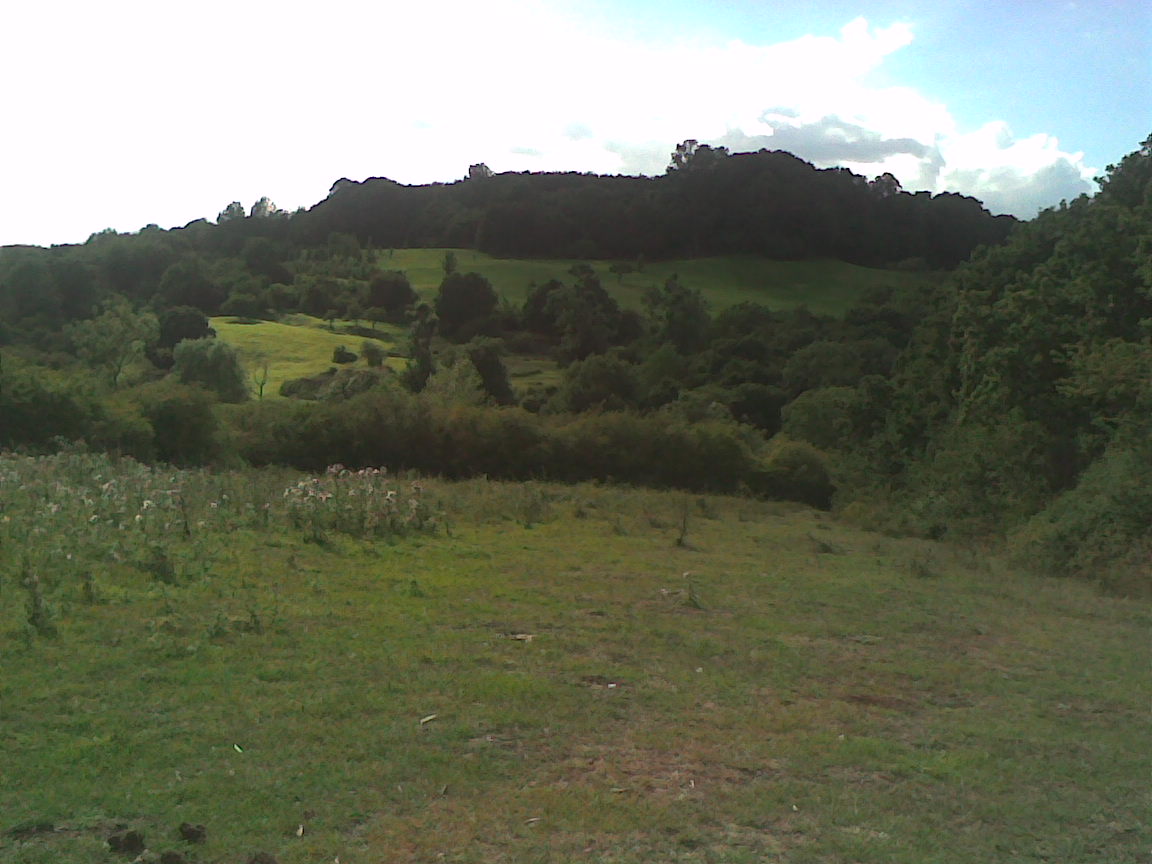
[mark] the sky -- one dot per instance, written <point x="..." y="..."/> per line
<point x="126" y="113"/>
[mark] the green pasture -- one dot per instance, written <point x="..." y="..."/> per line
<point x="297" y="347"/>
<point x="826" y="287"/>
<point x="544" y="673"/>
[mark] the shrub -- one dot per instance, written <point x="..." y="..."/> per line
<point x="37" y="405"/>
<point x="184" y="426"/>
<point x="822" y="417"/>
<point x="464" y="299"/>
<point x="373" y="354"/>
<point x="213" y="365"/>
<point x="1101" y="526"/>
<point x="796" y="471"/>
<point x="342" y="355"/>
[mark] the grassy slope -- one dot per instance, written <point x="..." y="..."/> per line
<point x="827" y="287"/>
<point x="303" y="346"/>
<point x="295" y="348"/>
<point x="839" y="697"/>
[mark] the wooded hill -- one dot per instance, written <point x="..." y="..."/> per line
<point x="768" y="203"/>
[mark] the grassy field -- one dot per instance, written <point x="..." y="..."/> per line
<point x="826" y="287"/>
<point x="522" y="672"/>
<point x="302" y="346"/>
<point x="297" y="347"/>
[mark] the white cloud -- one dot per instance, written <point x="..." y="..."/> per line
<point x="133" y="111"/>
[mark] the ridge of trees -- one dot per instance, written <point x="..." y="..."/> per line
<point x="767" y="203"/>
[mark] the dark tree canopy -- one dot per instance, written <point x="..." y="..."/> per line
<point x="464" y="299"/>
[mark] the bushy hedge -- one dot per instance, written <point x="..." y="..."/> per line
<point x="393" y="428"/>
<point x="1102" y="527"/>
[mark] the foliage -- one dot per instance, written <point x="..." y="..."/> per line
<point x="179" y="323"/>
<point x="184" y="424"/>
<point x="601" y="381"/>
<point x="465" y="300"/>
<point x="391" y="292"/>
<point x="823" y="417"/>
<point x="795" y="471"/>
<point x="679" y="316"/>
<point x="213" y="365"/>
<point x="341" y="355"/>
<point x="1100" y="529"/>
<point x="38" y="405"/>
<point x="114" y="338"/>
<point x="485" y="355"/>
<point x="373" y="354"/>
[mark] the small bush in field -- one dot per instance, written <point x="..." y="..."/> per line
<point x="796" y="471"/>
<point x="340" y="354"/>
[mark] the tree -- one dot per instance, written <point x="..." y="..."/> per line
<point x="176" y="325"/>
<point x="599" y="381"/>
<point x="485" y="355"/>
<point x="372" y="353"/>
<point x="693" y="155"/>
<point x="679" y="316"/>
<point x="421" y="366"/>
<point x="231" y="213"/>
<point x="188" y="283"/>
<point x="885" y="186"/>
<point x="115" y="337"/>
<point x="260" y="379"/>
<point x="390" y="291"/>
<point x="264" y="209"/>
<point x="213" y="365"/>
<point x="464" y="299"/>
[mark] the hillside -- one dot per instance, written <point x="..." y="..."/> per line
<point x="770" y="204"/>
<point x="533" y="672"/>
<point x="825" y="287"/>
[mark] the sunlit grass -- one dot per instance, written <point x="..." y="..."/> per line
<point x="297" y="347"/>
<point x="552" y="676"/>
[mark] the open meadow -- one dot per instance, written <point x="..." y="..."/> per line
<point x="297" y="346"/>
<point x="366" y="668"/>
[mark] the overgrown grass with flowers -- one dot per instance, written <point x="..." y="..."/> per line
<point x="72" y="522"/>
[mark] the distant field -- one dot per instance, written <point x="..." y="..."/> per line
<point x="555" y="673"/>
<point x="826" y="287"/>
<point x="301" y="345"/>
<point x="297" y="347"/>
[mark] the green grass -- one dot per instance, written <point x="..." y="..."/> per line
<point x="826" y="287"/>
<point x="551" y="676"/>
<point x="297" y="347"/>
<point x="301" y="346"/>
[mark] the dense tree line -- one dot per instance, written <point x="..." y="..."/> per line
<point x="1022" y="402"/>
<point x="768" y="203"/>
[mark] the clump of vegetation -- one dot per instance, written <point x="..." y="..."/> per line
<point x="342" y="355"/>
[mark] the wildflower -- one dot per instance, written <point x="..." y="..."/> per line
<point x="148" y="504"/>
